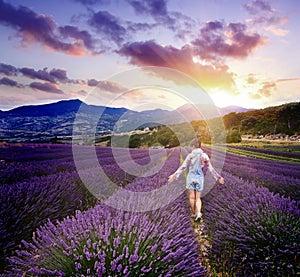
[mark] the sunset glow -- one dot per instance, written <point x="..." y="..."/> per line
<point x="241" y="52"/>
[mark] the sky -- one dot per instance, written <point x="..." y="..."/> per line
<point x="144" y="54"/>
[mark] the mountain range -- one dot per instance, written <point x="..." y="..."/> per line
<point x="69" y="117"/>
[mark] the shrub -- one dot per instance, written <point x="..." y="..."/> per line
<point x="107" y="242"/>
<point x="253" y="232"/>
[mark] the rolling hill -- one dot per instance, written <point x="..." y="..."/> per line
<point x="43" y="122"/>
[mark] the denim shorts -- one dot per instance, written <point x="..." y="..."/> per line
<point x="195" y="186"/>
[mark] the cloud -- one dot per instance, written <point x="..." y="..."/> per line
<point x="118" y="30"/>
<point x="180" y="24"/>
<point x="73" y="32"/>
<point x="184" y="26"/>
<point x="276" y="31"/>
<point x="284" y="86"/>
<point x="92" y="83"/>
<point x="81" y="92"/>
<point x="59" y="74"/>
<point x="266" y="90"/>
<point x="288" y="80"/>
<point x="256" y="6"/>
<point x="52" y="76"/>
<point x="40" y="28"/>
<point x="40" y="74"/>
<point x="92" y="2"/>
<point x="47" y="87"/>
<point x="107" y="86"/>
<point x="158" y="10"/>
<point x="251" y="79"/>
<point x="9" y="82"/>
<point x="219" y="40"/>
<point x="109" y="26"/>
<point x="155" y="8"/>
<point x="263" y="14"/>
<point x="150" y="53"/>
<point x="8" y="70"/>
<point x="137" y="27"/>
<point x="111" y="86"/>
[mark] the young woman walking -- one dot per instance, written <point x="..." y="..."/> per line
<point x="195" y="162"/>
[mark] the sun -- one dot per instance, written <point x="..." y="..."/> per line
<point x="223" y="98"/>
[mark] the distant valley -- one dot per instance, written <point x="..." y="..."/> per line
<point x="42" y="123"/>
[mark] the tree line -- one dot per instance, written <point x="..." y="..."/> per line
<point x="283" y="119"/>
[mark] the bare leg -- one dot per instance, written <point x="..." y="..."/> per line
<point x="192" y="200"/>
<point x="198" y="202"/>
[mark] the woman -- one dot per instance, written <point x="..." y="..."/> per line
<point x="195" y="162"/>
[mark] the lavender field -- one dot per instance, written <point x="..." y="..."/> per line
<point x="52" y="225"/>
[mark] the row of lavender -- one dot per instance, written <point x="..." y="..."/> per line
<point x="18" y="163"/>
<point x="278" y="177"/>
<point x="31" y="191"/>
<point x="105" y="242"/>
<point x="284" y="151"/>
<point x="99" y="241"/>
<point x="253" y="221"/>
<point x="252" y="231"/>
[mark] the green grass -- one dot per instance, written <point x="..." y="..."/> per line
<point x="252" y="154"/>
<point x="274" y="145"/>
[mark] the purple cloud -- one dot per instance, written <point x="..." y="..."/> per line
<point x="8" y="70"/>
<point x="74" y="32"/>
<point x="257" y="6"/>
<point x="9" y="82"/>
<point x="47" y="87"/>
<point x="150" y="53"/>
<point x="137" y="27"/>
<point x="92" y="83"/>
<point x="264" y="14"/>
<point x="219" y="40"/>
<point x="111" y="86"/>
<point x="156" y="9"/>
<point x="39" y="28"/>
<point x="59" y="74"/>
<point x="92" y="2"/>
<point x="107" y="86"/>
<point x="54" y="76"/>
<point x="109" y="26"/>
<point x="40" y="74"/>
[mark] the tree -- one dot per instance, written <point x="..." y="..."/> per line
<point x="134" y="141"/>
<point x="232" y="120"/>
<point x="173" y="142"/>
<point x="233" y="136"/>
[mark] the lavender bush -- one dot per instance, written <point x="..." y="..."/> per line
<point x="107" y="242"/>
<point x="58" y="192"/>
<point x="278" y="177"/>
<point x="282" y="152"/>
<point x="26" y="205"/>
<point x="253" y="232"/>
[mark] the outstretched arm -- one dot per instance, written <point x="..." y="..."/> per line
<point x="214" y="173"/>
<point x="211" y="169"/>
<point x="179" y="171"/>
